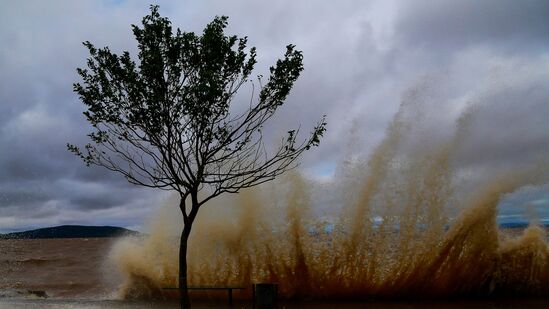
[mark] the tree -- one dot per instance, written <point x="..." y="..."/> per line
<point x="165" y="121"/>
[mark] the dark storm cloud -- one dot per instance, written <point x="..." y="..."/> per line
<point x="41" y="183"/>
<point x="20" y="196"/>
<point x="448" y="24"/>
<point x="361" y="59"/>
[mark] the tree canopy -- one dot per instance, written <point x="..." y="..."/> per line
<point x="165" y="122"/>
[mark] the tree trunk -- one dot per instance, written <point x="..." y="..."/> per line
<point x="188" y="220"/>
<point x="183" y="291"/>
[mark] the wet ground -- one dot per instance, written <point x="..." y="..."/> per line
<point x="203" y="304"/>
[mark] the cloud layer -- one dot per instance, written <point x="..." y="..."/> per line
<point x="362" y="58"/>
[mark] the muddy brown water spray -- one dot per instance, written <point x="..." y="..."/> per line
<point x="392" y="236"/>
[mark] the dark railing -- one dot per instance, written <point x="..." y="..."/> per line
<point x="229" y="289"/>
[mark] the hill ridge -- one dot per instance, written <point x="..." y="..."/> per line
<point x="71" y="231"/>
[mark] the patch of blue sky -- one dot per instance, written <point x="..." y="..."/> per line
<point x="530" y="204"/>
<point x="322" y="171"/>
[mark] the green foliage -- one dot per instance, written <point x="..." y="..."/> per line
<point x="164" y="120"/>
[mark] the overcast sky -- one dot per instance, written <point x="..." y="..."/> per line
<point x="362" y="59"/>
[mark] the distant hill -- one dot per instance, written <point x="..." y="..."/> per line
<point x="71" y="231"/>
